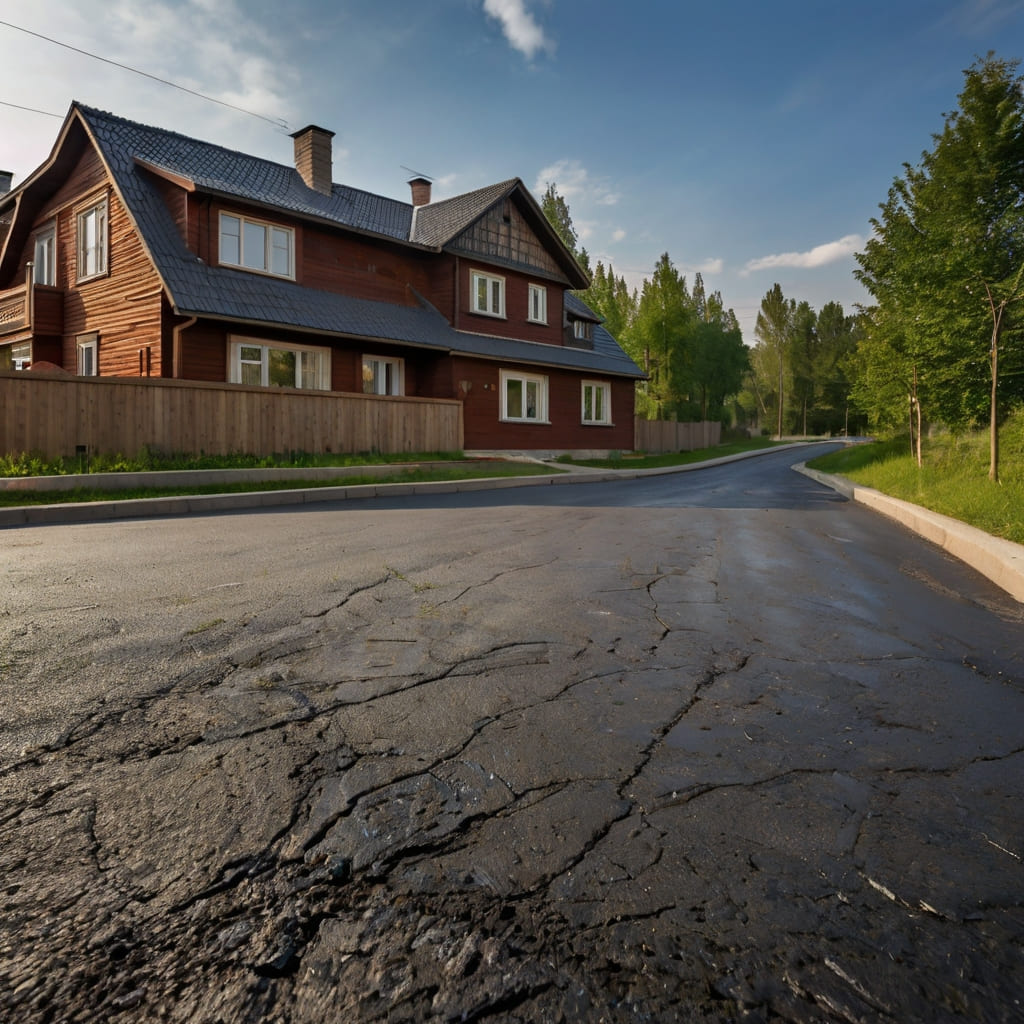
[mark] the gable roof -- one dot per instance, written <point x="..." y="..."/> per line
<point x="133" y="153"/>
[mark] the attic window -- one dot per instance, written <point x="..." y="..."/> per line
<point x="256" y="245"/>
<point x="581" y="330"/>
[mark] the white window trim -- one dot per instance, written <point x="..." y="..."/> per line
<point x="606" y="403"/>
<point x="268" y="250"/>
<point x="100" y="207"/>
<point x="236" y="344"/>
<point x="542" y="292"/>
<point x="45" y="271"/>
<point x="21" y="355"/>
<point x="542" y="396"/>
<point x="88" y="343"/>
<point x="397" y="380"/>
<point x="479" y="275"/>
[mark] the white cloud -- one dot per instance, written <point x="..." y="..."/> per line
<point x="573" y="182"/>
<point x="819" y="256"/>
<point x="618" y="235"/>
<point x="519" y="26"/>
<point x="712" y="265"/>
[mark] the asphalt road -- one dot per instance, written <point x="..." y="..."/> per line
<point x="713" y="746"/>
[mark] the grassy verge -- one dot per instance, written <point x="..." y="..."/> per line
<point x="30" y="464"/>
<point x="953" y="480"/>
<point x="640" y="461"/>
<point x="13" y="499"/>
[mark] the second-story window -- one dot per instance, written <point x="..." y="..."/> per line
<point x="44" y="256"/>
<point x="256" y="245"/>
<point x="92" y="240"/>
<point x="538" y="311"/>
<point x="488" y="294"/>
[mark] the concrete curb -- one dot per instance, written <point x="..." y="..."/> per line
<point x="1002" y="561"/>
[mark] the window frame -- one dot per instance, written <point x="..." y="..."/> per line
<point x="48" y="263"/>
<point x="100" y="251"/>
<point x="269" y="248"/>
<point x="397" y="365"/>
<point x="525" y="379"/>
<point x="604" y="388"/>
<point x="19" y="362"/>
<point x="477" y="276"/>
<point x="236" y="361"/>
<point x="87" y="343"/>
<point x="582" y="330"/>
<point x="539" y="292"/>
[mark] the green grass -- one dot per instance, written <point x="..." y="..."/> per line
<point x="953" y="480"/>
<point x="641" y="461"/>
<point x="31" y="464"/>
<point x="13" y="499"/>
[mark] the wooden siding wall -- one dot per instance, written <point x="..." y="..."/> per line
<point x="55" y="415"/>
<point x="666" y="436"/>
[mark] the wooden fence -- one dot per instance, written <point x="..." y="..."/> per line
<point x="63" y="416"/>
<point x="666" y="436"/>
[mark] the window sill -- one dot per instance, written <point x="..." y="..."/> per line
<point x="254" y="270"/>
<point x="596" y="423"/>
<point x="533" y="423"/>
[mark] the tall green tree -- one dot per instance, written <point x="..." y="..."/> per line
<point x="719" y="355"/>
<point x="556" y="210"/>
<point x="774" y="333"/>
<point x="944" y="265"/>
<point x="664" y="330"/>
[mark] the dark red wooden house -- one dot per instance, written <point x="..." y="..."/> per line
<point x="134" y="251"/>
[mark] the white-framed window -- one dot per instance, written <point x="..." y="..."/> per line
<point x="383" y="375"/>
<point x="44" y="256"/>
<point x="597" y="402"/>
<point x="524" y="397"/>
<point x="538" y="308"/>
<point x="257" y="245"/>
<point x="581" y="330"/>
<point x="16" y="357"/>
<point x="88" y="348"/>
<point x="273" y="364"/>
<point x="488" y="293"/>
<point x="92" y="240"/>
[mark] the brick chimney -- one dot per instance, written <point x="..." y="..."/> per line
<point x="420" y="191"/>
<point x="6" y="177"/>
<point x="313" y="157"/>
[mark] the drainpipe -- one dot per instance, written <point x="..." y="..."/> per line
<point x="176" y="346"/>
<point x="30" y="300"/>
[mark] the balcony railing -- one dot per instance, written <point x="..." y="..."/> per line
<point x="13" y="310"/>
<point x="43" y="315"/>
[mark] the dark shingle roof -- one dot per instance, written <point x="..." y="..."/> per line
<point x="197" y="289"/>
<point x="438" y="223"/>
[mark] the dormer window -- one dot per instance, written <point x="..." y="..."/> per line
<point x="257" y="245"/>
<point x="581" y="330"/>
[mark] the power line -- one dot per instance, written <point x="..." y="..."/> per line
<point x="31" y="110"/>
<point x="278" y="122"/>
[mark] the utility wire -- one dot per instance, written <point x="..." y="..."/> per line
<point x="31" y="110"/>
<point x="278" y="122"/>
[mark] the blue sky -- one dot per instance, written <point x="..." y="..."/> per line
<point x="750" y="140"/>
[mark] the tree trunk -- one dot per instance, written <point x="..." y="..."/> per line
<point x="993" y="437"/>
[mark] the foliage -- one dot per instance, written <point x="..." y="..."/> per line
<point x="944" y="267"/>
<point x="948" y="482"/>
<point x="22" y="464"/>
<point x="688" y="343"/>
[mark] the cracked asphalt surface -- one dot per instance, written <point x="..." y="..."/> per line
<point x="716" y="746"/>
